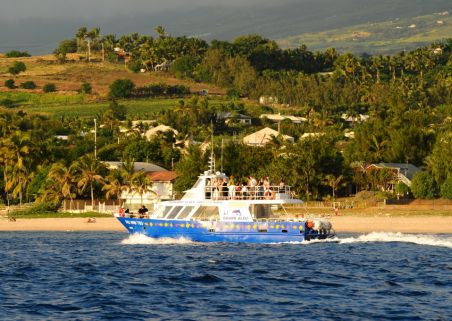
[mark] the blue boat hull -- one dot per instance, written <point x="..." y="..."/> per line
<point x="244" y="232"/>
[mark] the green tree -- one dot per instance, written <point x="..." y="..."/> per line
<point x="88" y="170"/>
<point x="446" y="188"/>
<point x="86" y="88"/>
<point x="9" y="83"/>
<point x="121" y="88"/>
<point x="17" y="68"/>
<point x="423" y="186"/>
<point x="49" y="88"/>
<point x="142" y="184"/>
<point x="188" y="168"/>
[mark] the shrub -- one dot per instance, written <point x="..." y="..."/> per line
<point x="16" y="54"/>
<point x="28" y="85"/>
<point x="183" y="67"/>
<point x="135" y="66"/>
<point x="86" y="88"/>
<point x="121" y="88"/>
<point x="402" y="189"/>
<point x="9" y="83"/>
<point x="17" y="68"/>
<point x="49" y="88"/>
<point x="423" y="185"/>
<point x="446" y="188"/>
<point x="8" y="103"/>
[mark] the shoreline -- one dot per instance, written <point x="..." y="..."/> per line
<point x="342" y="224"/>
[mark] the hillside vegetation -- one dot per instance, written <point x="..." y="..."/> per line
<point x="358" y="110"/>
<point x="392" y="36"/>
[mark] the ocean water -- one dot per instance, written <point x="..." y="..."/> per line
<point x="112" y="276"/>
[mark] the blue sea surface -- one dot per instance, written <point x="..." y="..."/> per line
<point x="111" y="276"/>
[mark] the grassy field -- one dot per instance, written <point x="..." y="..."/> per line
<point x="378" y="37"/>
<point x="59" y="105"/>
<point x="68" y="77"/>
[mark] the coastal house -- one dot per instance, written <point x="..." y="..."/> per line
<point x="278" y="118"/>
<point x="264" y="136"/>
<point x="159" y="129"/>
<point x="228" y="117"/>
<point x="268" y="100"/>
<point x="360" y="118"/>
<point x="161" y="189"/>
<point x="384" y="176"/>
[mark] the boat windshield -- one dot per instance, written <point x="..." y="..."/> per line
<point x="185" y="212"/>
<point x="207" y="213"/>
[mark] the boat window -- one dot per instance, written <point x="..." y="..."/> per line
<point x="174" y="212"/>
<point x="207" y="213"/>
<point x="162" y="211"/>
<point x="185" y="212"/>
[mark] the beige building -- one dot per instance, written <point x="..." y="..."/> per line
<point x="264" y="136"/>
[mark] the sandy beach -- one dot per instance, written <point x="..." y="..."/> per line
<point x="342" y="224"/>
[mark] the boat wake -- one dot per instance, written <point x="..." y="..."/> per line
<point x="145" y="240"/>
<point x="421" y="239"/>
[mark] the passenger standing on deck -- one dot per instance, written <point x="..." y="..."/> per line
<point x="253" y="186"/>
<point x="225" y="189"/>
<point x="208" y="189"/>
<point x="267" y="193"/>
<point x="260" y="189"/>
<point x="231" y="187"/>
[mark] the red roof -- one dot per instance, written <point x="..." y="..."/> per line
<point x="162" y="176"/>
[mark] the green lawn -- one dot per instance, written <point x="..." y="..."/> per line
<point x="59" y="105"/>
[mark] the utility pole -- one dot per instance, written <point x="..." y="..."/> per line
<point x="89" y="50"/>
<point x="95" y="138"/>
<point x="222" y="155"/>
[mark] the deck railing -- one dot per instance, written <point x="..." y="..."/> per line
<point x="274" y="192"/>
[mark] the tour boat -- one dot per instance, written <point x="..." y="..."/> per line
<point x="208" y="214"/>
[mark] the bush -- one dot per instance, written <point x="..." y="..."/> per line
<point x="446" y="188"/>
<point x="135" y="66"/>
<point x="402" y="190"/>
<point x="8" y="103"/>
<point x="49" y="88"/>
<point x="121" y="88"/>
<point x="28" y="85"/>
<point x="86" y="88"/>
<point x="9" y="83"/>
<point x="423" y="186"/>
<point x="17" y="68"/>
<point x="184" y="66"/>
<point x="37" y="208"/>
<point x="17" y="54"/>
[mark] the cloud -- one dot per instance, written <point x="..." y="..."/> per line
<point x="86" y="9"/>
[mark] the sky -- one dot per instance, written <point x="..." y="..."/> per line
<point x="38" y="25"/>
<point x="20" y="9"/>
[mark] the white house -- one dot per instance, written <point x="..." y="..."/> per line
<point x="227" y="117"/>
<point x="264" y="136"/>
<point x="159" y="129"/>
<point x="278" y="117"/>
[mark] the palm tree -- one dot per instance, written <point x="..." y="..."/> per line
<point x="81" y="36"/>
<point x="64" y="177"/>
<point x="142" y="184"/>
<point x="333" y="182"/>
<point x="92" y="36"/>
<point x="114" y="185"/>
<point x="88" y="169"/>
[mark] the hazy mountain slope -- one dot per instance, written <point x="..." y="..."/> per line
<point x="274" y="19"/>
<point x="383" y="37"/>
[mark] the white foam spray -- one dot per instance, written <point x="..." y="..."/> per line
<point x="145" y="240"/>
<point x="421" y="239"/>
